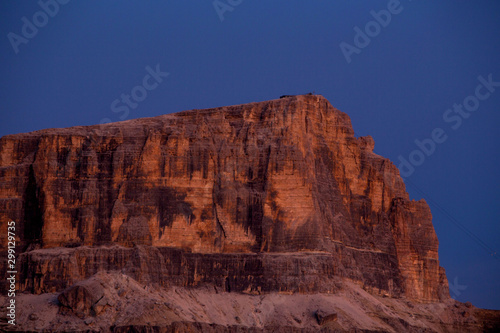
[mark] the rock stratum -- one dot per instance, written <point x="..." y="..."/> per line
<point x="262" y="217"/>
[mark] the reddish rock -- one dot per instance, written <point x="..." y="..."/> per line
<point x="285" y="175"/>
<point x="83" y="298"/>
<point x="275" y="196"/>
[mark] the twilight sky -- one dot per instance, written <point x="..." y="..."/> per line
<point x="422" y="77"/>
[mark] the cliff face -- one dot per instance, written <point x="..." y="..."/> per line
<point x="264" y="178"/>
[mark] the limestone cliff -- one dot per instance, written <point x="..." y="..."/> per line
<point x="261" y="197"/>
<point x="285" y="175"/>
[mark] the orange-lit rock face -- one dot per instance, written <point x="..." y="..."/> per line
<point x="285" y="175"/>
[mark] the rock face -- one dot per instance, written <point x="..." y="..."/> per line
<point x="276" y="196"/>
<point x="52" y="270"/>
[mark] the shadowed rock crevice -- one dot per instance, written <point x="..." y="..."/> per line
<point x="171" y="203"/>
<point x="33" y="214"/>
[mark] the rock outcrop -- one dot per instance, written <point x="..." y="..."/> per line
<point x="276" y="196"/>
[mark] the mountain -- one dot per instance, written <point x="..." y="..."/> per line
<point x="268" y="216"/>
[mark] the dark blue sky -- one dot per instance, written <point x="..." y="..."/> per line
<point x="397" y="86"/>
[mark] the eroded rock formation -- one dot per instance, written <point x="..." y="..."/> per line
<point x="275" y="196"/>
